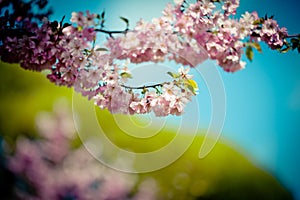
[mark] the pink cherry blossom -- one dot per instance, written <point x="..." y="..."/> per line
<point x="187" y="33"/>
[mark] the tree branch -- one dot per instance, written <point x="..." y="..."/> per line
<point x="292" y="36"/>
<point x="143" y="87"/>
<point x="110" y="33"/>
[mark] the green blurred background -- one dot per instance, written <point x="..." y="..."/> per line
<point x="223" y="174"/>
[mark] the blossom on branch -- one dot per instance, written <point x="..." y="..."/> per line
<point x="187" y="33"/>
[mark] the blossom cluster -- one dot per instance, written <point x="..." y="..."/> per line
<point x="51" y="169"/>
<point x="186" y="33"/>
<point x="272" y="34"/>
<point x="162" y="99"/>
<point x="192" y="33"/>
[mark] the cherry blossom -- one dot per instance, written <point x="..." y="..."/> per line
<point x="187" y="33"/>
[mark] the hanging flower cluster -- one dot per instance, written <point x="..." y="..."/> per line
<point x="185" y="33"/>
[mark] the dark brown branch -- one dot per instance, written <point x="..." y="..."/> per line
<point x="143" y="87"/>
<point x="293" y="36"/>
<point x="110" y="33"/>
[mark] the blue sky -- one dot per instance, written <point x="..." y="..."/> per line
<point x="263" y="100"/>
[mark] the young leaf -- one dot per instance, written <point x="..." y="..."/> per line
<point x="144" y="91"/>
<point x="125" y="20"/>
<point x="294" y="40"/>
<point x="258" y="21"/>
<point x="191" y="89"/>
<point x="256" y="46"/>
<point x="192" y="86"/>
<point x="171" y="74"/>
<point x="126" y="75"/>
<point x="62" y="20"/>
<point x="54" y="26"/>
<point x="103" y="14"/>
<point x="66" y="25"/>
<point x="295" y="45"/>
<point x="285" y="50"/>
<point x="249" y="53"/>
<point x="101" y="49"/>
<point x="102" y="23"/>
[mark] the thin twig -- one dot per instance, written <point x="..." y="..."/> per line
<point x="292" y="36"/>
<point x="110" y="33"/>
<point x="143" y="87"/>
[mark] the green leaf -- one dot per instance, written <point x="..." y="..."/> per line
<point x="285" y="50"/>
<point x="66" y="25"/>
<point x="54" y="25"/>
<point x="192" y="86"/>
<point x="80" y="28"/>
<point x="102" y="23"/>
<point x="173" y="75"/>
<point x="125" y="20"/>
<point x="101" y="49"/>
<point x="249" y="53"/>
<point x="144" y="90"/>
<point x="258" y="21"/>
<point x="126" y="75"/>
<point x="62" y="20"/>
<point x="157" y="90"/>
<point x="191" y="89"/>
<point x="294" y="40"/>
<point x="103" y="14"/>
<point x="256" y="46"/>
<point x="295" y="45"/>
